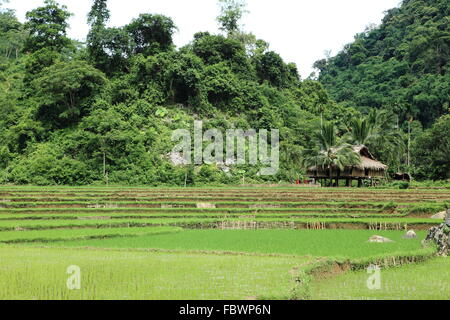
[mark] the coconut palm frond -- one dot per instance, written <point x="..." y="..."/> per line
<point x="330" y="151"/>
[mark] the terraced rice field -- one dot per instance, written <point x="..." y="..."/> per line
<point x="273" y="230"/>
<point x="50" y="208"/>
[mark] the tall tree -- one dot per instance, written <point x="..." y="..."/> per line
<point x="231" y="12"/>
<point x="152" y="33"/>
<point x="97" y="19"/>
<point x="271" y="67"/>
<point x="99" y="14"/>
<point x="108" y="48"/>
<point x="64" y="92"/>
<point x="48" y="27"/>
<point x="12" y="34"/>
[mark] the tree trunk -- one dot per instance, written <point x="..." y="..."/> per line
<point x="331" y="177"/>
<point x="338" y="174"/>
<point x="104" y="164"/>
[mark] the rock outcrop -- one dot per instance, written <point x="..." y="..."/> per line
<point x="440" y="235"/>
<point x="439" y="215"/>
<point x="411" y="234"/>
<point x="379" y="239"/>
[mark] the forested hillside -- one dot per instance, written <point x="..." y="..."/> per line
<point x="401" y="65"/>
<point x="103" y="111"/>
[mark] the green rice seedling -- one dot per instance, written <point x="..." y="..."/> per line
<point x="77" y="234"/>
<point x="425" y="281"/>
<point x="41" y="274"/>
<point x="345" y="244"/>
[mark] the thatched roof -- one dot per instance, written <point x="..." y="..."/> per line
<point x="368" y="161"/>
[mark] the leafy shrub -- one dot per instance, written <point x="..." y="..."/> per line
<point x="46" y="167"/>
<point x="401" y="185"/>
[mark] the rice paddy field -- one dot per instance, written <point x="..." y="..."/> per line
<point x="429" y="280"/>
<point x="218" y="243"/>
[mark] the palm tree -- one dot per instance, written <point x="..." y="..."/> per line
<point x="379" y="132"/>
<point x="368" y="130"/>
<point x="361" y="132"/>
<point x="330" y="152"/>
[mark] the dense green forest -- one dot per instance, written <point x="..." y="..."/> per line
<point x="103" y="111"/>
<point x="401" y="65"/>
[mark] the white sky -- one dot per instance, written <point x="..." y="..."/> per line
<point x="300" y="30"/>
